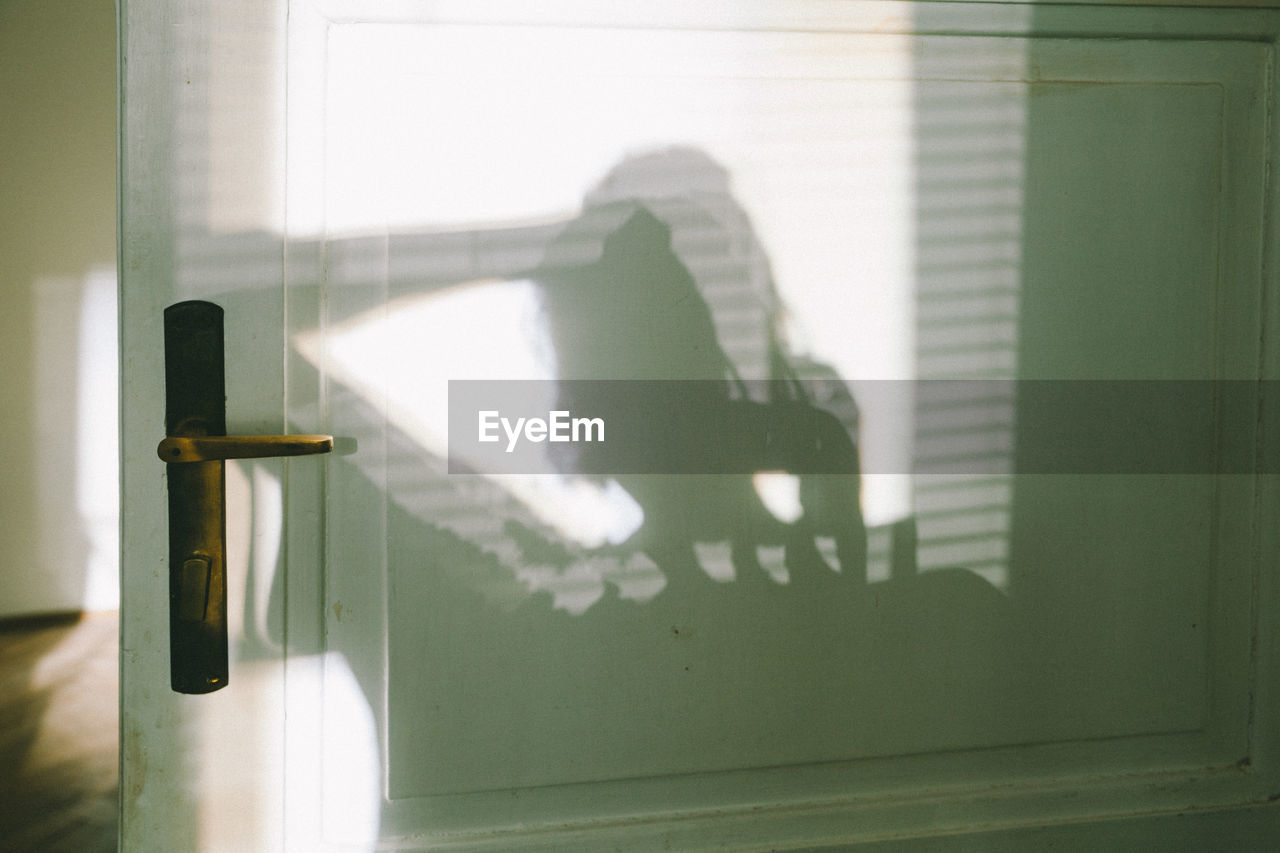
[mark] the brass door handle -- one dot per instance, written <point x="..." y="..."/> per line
<point x="195" y="448"/>
<point x="207" y="448"/>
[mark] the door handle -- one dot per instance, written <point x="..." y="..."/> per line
<point x="195" y="448"/>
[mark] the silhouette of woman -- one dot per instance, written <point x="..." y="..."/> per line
<point x="661" y="278"/>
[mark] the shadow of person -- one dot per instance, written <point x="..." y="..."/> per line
<point x="498" y="641"/>
<point x="652" y="288"/>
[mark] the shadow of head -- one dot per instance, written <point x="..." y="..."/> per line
<point x="661" y="280"/>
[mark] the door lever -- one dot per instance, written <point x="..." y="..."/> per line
<point x="195" y="449"/>
<point x="207" y="448"/>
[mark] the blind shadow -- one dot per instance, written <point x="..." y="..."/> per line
<point x="716" y="596"/>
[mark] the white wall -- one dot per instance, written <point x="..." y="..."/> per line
<point x="57" y="295"/>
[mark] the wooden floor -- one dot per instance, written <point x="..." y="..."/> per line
<point x="59" y="778"/>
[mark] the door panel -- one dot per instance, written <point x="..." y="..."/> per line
<point x="871" y="200"/>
